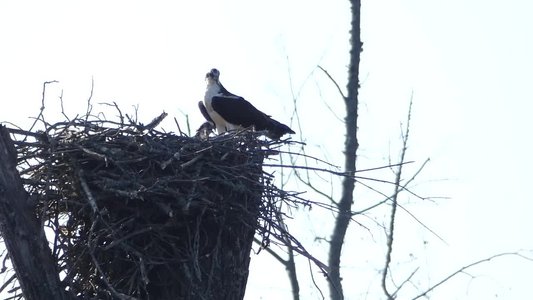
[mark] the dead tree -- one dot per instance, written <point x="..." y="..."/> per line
<point x="22" y="232"/>
<point x="344" y="205"/>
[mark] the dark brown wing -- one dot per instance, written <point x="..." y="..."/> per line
<point x="204" y="112"/>
<point x="238" y="111"/>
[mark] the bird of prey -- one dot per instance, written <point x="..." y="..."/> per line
<point x="228" y="111"/>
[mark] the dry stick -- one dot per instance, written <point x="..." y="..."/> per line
<point x="4" y="261"/>
<point x="89" y="105"/>
<point x="309" y="156"/>
<point x="125" y="237"/>
<point x="107" y="283"/>
<point x="156" y="121"/>
<point x="192" y="161"/>
<point x="13" y="290"/>
<point x="307" y="168"/>
<point x="115" y="105"/>
<point x="13" y="277"/>
<point x="387" y="166"/>
<point x="41" y="110"/>
<point x="87" y="191"/>
<point x="178" y="125"/>
<point x="62" y="106"/>
<point x="93" y="154"/>
<point x="301" y="250"/>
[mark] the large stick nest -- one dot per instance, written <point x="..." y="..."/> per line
<point x="135" y="212"/>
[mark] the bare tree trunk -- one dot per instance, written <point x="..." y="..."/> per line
<point x="23" y="234"/>
<point x="350" y="147"/>
<point x="291" y="269"/>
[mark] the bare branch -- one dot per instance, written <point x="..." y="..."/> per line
<point x="463" y="269"/>
<point x="7" y="282"/>
<point x="62" y="106"/>
<point x="404" y="282"/>
<point x="290" y="263"/>
<point x="385" y="167"/>
<point x="179" y="128"/>
<point x="334" y="82"/>
<point x="271" y="252"/>
<point x="109" y="286"/>
<point x="394" y="198"/>
<point x="309" y="184"/>
<point x="325" y="103"/>
<point x="87" y="191"/>
<point x="313" y="280"/>
<point x="41" y="110"/>
<point x="89" y="105"/>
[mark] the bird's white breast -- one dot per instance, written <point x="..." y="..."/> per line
<point x="212" y="90"/>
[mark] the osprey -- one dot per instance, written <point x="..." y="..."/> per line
<point x="231" y="112"/>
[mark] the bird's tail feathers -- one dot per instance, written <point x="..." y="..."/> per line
<point x="276" y="129"/>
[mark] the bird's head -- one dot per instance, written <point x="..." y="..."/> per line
<point x="213" y="76"/>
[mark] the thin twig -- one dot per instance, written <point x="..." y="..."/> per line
<point x="462" y="269"/>
<point x="41" y="110"/>
<point x="87" y="191"/>
<point x="334" y="82"/>
<point x="394" y="205"/>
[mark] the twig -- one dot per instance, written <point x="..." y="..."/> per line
<point x="334" y="82"/>
<point x="314" y="281"/>
<point x="461" y="270"/>
<point x="41" y="110"/>
<point x="271" y="252"/>
<point x="87" y="191"/>
<point x="89" y="105"/>
<point x="156" y="121"/>
<point x="404" y="282"/>
<point x="7" y="282"/>
<point x="179" y="128"/>
<point x="107" y="283"/>
<point x="62" y="107"/>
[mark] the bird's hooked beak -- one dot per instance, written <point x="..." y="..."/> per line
<point x="212" y="75"/>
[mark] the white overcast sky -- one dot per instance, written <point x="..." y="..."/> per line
<point x="468" y="64"/>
